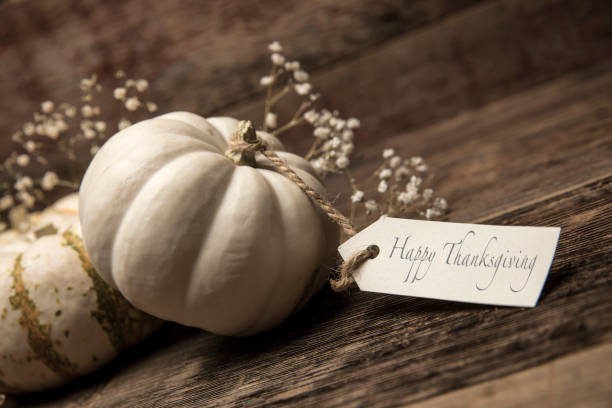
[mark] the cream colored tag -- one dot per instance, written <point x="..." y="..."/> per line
<point x="499" y="265"/>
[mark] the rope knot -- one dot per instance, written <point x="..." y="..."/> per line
<point x="345" y="274"/>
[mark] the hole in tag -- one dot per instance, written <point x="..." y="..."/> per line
<point x="374" y="251"/>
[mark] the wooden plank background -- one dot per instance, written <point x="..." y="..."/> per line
<point x="509" y="101"/>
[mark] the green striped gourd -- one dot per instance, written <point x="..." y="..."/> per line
<point x="58" y="319"/>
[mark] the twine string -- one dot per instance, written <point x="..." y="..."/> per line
<point x="241" y="143"/>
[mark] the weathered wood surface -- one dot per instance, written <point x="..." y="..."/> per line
<point x="508" y="100"/>
<point x="561" y="382"/>
<point x="202" y="55"/>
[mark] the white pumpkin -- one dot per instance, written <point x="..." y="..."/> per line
<point x="58" y="318"/>
<point x="187" y="235"/>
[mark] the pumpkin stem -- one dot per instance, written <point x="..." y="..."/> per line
<point x="243" y="145"/>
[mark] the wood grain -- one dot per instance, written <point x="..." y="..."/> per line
<point x="469" y="59"/>
<point x="377" y="350"/>
<point x="580" y="380"/>
<point x="509" y="102"/>
<point x="202" y="55"/>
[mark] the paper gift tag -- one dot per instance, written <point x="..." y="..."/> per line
<point x="499" y="265"/>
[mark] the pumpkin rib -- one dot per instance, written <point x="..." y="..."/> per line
<point x="108" y="225"/>
<point x="169" y="126"/>
<point x="139" y="191"/>
<point x="132" y="210"/>
<point x="280" y="182"/>
<point x="251" y="314"/>
<point x="39" y="335"/>
<point x="203" y="126"/>
<point x="271" y="289"/>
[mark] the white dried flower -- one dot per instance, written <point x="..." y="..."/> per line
<point x="292" y="65"/>
<point x="322" y="132"/>
<point x="385" y="174"/>
<point x="431" y="213"/>
<point x="302" y="89"/>
<point x="26" y="198"/>
<point x="94" y="149"/>
<point x="119" y="74"/>
<point x="124" y="123"/>
<point x="325" y="117"/>
<point x="395" y="161"/>
<point x="100" y="126"/>
<point x="47" y="106"/>
<point x="120" y="93"/>
<point x="61" y="125"/>
<point x="266" y="80"/>
<point x="335" y="143"/>
<point x="132" y="103"/>
<point x="353" y="123"/>
<point x="401" y="172"/>
<point x="357" y="196"/>
<point x="388" y="153"/>
<point x="440" y="204"/>
<point x="382" y="186"/>
<point x="142" y="85"/>
<point x="277" y="59"/>
<point x="347" y="135"/>
<point x="49" y="181"/>
<point x="311" y="116"/>
<point x="300" y="76"/>
<point x="6" y="202"/>
<point x="23" y="183"/>
<point x="422" y="168"/>
<point x="30" y="146"/>
<point x="88" y="83"/>
<point x="70" y="111"/>
<point x="89" y="134"/>
<point x="320" y="165"/>
<point x="340" y="123"/>
<point x="314" y="96"/>
<point x="151" y="107"/>
<point x="371" y="206"/>
<point x="415" y="181"/>
<point x="271" y="120"/>
<point x="29" y="129"/>
<point x="50" y="130"/>
<point x="342" y="162"/>
<point x="275" y="46"/>
<point x="87" y="111"/>
<point x="23" y="160"/>
<point x="416" y="160"/>
<point x="428" y="194"/>
<point x="407" y="197"/>
<point x="347" y="148"/>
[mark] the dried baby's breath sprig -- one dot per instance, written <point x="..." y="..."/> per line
<point x="289" y="77"/>
<point x="73" y="132"/>
<point x="401" y="190"/>
<point x="402" y="184"/>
